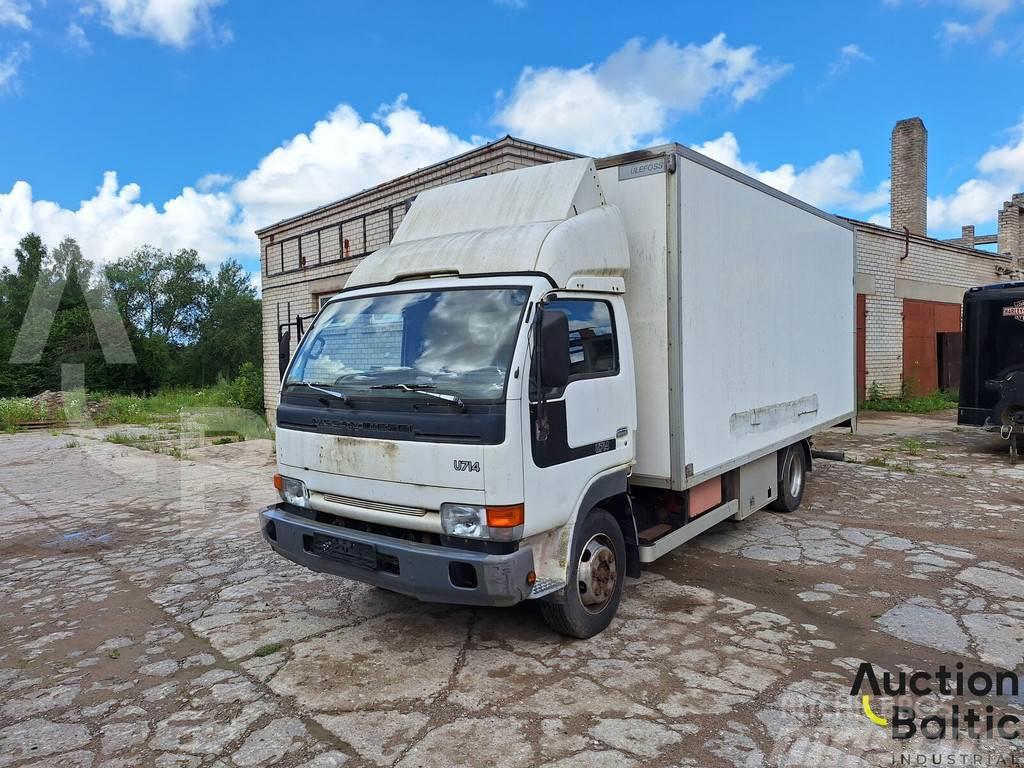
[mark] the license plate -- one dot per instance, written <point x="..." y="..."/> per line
<point x="346" y="551"/>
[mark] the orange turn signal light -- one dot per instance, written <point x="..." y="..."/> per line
<point x="278" y="483"/>
<point x="505" y="517"/>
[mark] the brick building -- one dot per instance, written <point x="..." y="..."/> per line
<point x="909" y="285"/>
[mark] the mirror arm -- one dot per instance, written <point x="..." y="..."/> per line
<point x="542" y="426"/>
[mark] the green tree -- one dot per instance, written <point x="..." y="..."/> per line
<point x="161" y="294"/>
<point x="184" y="327"/>
<point x="15" y="291"/>
<point x="230" y="331"/>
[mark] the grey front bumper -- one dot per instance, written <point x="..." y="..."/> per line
<point x="422" y="569"/>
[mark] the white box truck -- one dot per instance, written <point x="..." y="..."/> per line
<point x="552" y="376"/>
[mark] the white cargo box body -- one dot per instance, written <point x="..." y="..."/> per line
<point x="741" y="308"/>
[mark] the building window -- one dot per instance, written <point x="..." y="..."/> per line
<point x="323" y="298"/>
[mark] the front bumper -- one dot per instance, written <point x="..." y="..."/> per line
<point x="419" y="570"/>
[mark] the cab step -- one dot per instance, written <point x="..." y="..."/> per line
<point x="543" y="587"/>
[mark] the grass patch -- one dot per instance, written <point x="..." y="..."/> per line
<point x="72" y="444"/>
<point x="878" y="461"/>
<point x="14" y="410"/>
<point x="225" y="440"/>
<point x="912" y="445"/>
<point x="269" y="648"/>
<point x="957" y="475"/>
<point x="228" y="408"/>
<point x="936" y="401"/>
<point x="120" y="438"/>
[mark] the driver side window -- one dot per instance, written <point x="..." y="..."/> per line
<point x="593" y="347"/>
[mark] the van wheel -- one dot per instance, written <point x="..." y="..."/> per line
<point x="792" y="479"/>
<point x="597" y="574"/>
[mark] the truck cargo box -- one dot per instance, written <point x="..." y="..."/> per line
<point x="741" y="304"/>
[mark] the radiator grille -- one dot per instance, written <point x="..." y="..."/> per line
<point x="374" y="505"/>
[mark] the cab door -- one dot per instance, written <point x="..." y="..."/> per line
<point x="590" y="423"/>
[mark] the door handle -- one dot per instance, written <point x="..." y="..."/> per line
<point x="621" y="432"/>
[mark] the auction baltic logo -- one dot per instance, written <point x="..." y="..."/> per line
<point x="959" y="722"/>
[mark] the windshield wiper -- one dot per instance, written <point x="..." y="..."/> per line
<point x="452" y="398"/>
<point x="336" y="395"/>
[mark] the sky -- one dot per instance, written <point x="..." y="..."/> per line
<point x="191" y="123"/>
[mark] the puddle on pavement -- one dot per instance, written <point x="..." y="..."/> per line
<point x="78" y="540"/>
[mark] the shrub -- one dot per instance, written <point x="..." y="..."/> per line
<point x="246" y="389"/>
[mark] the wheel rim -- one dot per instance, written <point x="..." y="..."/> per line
<point x="596" y="573"/>
<point x="795" y="476"/>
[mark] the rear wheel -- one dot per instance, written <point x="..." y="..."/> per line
<point x="595" y="580"/>
<point x="792" y="479"/>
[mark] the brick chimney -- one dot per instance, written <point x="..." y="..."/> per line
<point x="1011" y="227"/>
<point x="909" y="176"/>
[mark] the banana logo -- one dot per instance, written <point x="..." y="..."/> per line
<point x="866" y="703"/>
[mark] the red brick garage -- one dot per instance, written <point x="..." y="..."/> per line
<point x="923" y="321"/>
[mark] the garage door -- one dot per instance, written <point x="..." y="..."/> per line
<point x="923" y="321"/>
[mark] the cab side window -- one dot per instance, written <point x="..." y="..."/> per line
<point x="593" y="350"/>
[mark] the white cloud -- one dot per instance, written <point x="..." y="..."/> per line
<point x="77" y="38"/>
<point x="632" y="95"/>
<point x="10" y="65"/>
<point x="977" y="200"/>
<point x="831" y="183"/>
<point x="849" y="55"/>
<point x="14" y="13"/>
<point x="212" y="181"/>
<point x="341" y="155"/>
<point x="170" y="22"/>
<point x="983" y="15"/>
<point x="978" y="20"/>
<point x="114" y="221"/>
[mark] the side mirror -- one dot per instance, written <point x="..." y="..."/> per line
<point x="554" y="349"/>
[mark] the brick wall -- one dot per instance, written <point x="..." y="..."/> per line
<point x="313" y="254"/>
<point x="932" y="271"/>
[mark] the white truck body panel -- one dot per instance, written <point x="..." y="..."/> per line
<point x="643" y="203"/>
<point x="741" y="305"/>
<point x="767" y="320"/>
<point x="553" y="192"/>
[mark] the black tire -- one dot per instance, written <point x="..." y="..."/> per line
<point x="792" y="479"/>
<point x="585" y="612"/>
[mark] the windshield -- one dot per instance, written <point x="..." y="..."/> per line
<point x="458" y="340"/>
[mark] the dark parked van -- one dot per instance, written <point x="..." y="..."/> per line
<point x="992" y="373"/>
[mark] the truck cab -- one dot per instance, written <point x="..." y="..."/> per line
<point x="449" y="415"/>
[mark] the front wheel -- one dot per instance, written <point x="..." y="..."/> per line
<point x="596" y="577"/>
<point x="792" y="478"/>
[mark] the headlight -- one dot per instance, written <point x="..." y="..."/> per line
<point x="470" y="521"/>
<point x="292" y="491"/>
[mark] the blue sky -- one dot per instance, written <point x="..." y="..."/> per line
<point x="191" y="122"/>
